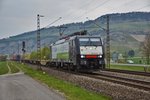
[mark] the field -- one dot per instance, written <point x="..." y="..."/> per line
<point x="8" y="68"/>
<point x="129" y="67"/>
<point x="13" y="67"/>
<point x="3" y="68"/>
<point x="138" y="60"/>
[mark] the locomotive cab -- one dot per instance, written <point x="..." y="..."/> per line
<point x="90" y="53"/>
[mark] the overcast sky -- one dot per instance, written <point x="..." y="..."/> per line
<point x="18" y="16"/>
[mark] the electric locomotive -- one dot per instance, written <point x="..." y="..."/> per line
<point x="79" y="52"/>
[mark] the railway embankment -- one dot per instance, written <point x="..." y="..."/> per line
<point x="113" y="90"/>
<point x="68" y="89"/>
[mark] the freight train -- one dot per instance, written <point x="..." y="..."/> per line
<point x="78" y="52"/>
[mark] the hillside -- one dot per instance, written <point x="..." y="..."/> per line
<point x="123" y="28"/>
<point x="139" y="38"/>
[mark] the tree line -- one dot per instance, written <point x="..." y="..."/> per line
<point x="45" y="54"/>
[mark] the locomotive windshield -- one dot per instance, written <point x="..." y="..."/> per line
<point x="90" y="42"/>
<point x="90" y="46"/>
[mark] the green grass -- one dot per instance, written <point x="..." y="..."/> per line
<point x="71" y="91"/>
<point x="3" y="68"/>
<point x="138" y="60"/>
<point x="13" y="68"/>
<point x="125" y="67"/>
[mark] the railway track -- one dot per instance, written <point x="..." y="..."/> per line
<point x="144" y="85"/>
<point x="140" y="84"/>
<point x="136" y="83"/>
<point x="129" y="72"/>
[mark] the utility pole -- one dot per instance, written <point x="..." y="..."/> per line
<point x="108" y="44"/>
<point x="39" y="41"/>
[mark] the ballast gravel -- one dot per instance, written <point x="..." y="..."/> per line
<point x="139" y="77"/>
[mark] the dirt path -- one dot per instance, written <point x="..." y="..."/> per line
<point x="17" y="67"/>
<point x="9" y="69"/>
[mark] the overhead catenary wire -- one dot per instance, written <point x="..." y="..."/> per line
<point x="143" y="7"/>
<point x="122" y="5"/>
<point x="91" y="10"/>
<point x="80" y="8"/>
<point x="68" y="14"/>
<point x="53" y="22"/>
<point x="97" y="24"/>
<point x="87" y="11"/>
<point x="102" y="4"/>
<point x="106" y="1"/>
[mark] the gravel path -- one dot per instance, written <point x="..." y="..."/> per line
<point x="21" y="87"/>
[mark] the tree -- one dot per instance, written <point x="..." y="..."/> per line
<point x="33" y="55"/>
<point x="131" y="53"/>
<point x="115" y="56"/>
<point x="27" y="56"/>
<point x="45" y="53"/>
<point x="3" y="57"/>
<point x="146" y="48"/>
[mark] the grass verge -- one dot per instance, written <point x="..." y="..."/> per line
<point x="3" y="68"/>
<point x="132" y="68"/>
<point x="13" y="68"/>
<point x="71" y="91"/>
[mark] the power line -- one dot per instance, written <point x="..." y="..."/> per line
<point x="121" y="5"/>
<point x="132" y="2"/>
<point x="93" y="9"/>
<point x="99" y="5"/>
<point x="53" y="22"/>
<point x="126" y="3"/>
<point x="97" y="24"/>
<point x="80" y="8"/>
<point x="103" y="3"/>
<point x="88" y="3"/>
<point x="143" y="7"/>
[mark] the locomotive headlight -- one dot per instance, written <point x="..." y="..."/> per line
<point x="82" y="56"/>
<point x="100" y="56"/>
